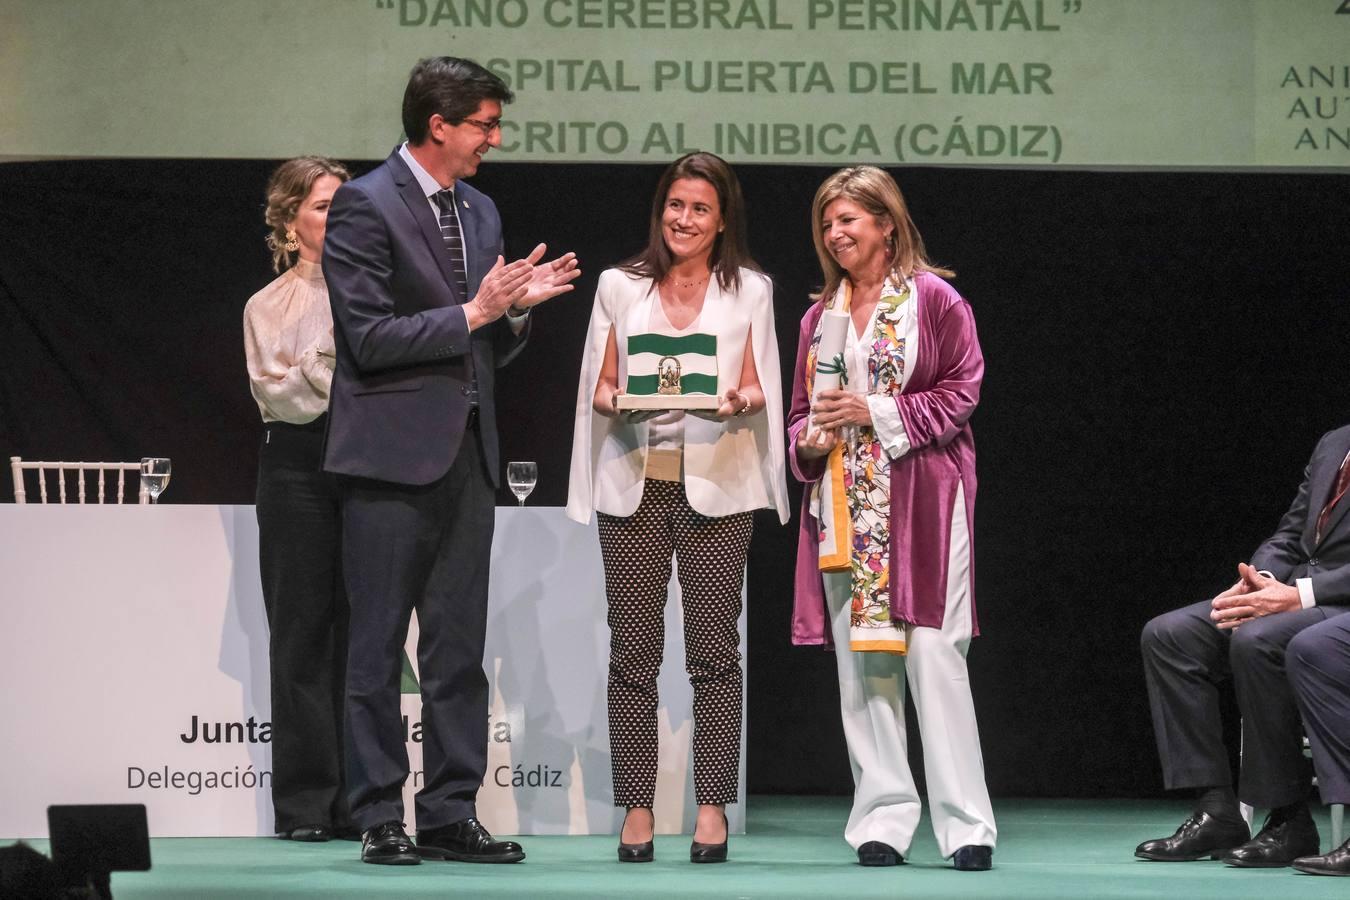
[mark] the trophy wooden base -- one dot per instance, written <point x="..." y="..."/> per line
<point x="667" y="401"/>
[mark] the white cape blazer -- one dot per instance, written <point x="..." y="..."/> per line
<point x="729" y="467"/>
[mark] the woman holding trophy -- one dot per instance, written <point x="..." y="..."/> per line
<point x="888" y="373"/>
<point x="677" y="440"/>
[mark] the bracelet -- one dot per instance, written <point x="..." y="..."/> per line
<point x="744" y="409"/>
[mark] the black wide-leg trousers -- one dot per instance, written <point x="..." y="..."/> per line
<point x="299" y="540"/>
<point x="710" y="557"/>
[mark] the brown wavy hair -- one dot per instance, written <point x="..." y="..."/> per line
<point x="730" y="252"/>
<point x="875" y="191"/>
<point x="288" y="187"/>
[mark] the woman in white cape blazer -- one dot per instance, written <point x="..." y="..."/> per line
<point x="729" y="467"/>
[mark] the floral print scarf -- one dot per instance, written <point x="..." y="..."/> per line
<point x="866" y="477"/>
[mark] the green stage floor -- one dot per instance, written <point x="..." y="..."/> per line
<point x="1047" y="848"/>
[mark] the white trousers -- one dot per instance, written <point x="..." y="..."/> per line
<point x="886" y="803"/>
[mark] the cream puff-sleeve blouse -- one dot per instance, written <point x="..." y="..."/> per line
<point x="288" y="343"/>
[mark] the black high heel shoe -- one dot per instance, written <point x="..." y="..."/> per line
<point x="643" y="852"/>
<point x="700" y="852"/>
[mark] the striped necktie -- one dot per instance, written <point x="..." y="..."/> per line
<point x="454" y="244"/>
<point x="1337" y="493"/>
<point x="454" y="241"/>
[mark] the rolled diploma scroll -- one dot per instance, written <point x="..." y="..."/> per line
<point x="830" y="352"/>
<point x="826" y="499"/>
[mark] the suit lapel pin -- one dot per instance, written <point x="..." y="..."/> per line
<point x="466" y="204"/>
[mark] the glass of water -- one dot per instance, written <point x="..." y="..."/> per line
<point x="521" y="476"/>
<point x="155" y="476"/>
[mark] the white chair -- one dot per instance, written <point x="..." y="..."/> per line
<point x="83" y="472"/>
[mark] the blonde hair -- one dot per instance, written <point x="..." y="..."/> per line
<point x="877" y="193"/>
<point x="288" y="187"/>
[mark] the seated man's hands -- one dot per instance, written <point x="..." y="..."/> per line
<point x="1255" y="595"/>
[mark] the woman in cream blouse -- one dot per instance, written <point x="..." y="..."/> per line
<point x="680" y="484"/>
<point x="288" y="342"/>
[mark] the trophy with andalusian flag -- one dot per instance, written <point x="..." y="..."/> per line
<point x="671" y="372"/>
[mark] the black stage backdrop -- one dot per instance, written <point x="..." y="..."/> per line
<point x="1162" y="352"/>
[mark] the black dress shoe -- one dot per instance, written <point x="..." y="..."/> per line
<point x="467" y="841"/>
<point x="700" y="852"/>
<point x="388" y="845"/>
<point x="875" y="853"/>
<point x="1200" y="836"/>
<point x="1337" y="862"/>
<point x="310" y="834"/>
<point x="1279" y="843"/>
<point x="643" y="852"/>
<point x="973" y="858"/>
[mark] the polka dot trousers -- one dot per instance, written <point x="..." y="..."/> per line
<point x="710" y="555"/>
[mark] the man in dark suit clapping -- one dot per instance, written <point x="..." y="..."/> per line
<point x="1297" y="579"/>
<point x="425" y="312"/>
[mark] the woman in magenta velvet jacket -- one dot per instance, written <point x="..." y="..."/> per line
<point x="889" y="464"/>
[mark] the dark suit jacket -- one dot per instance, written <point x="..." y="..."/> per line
<point x="405" y="356"/>
<point x="1292" y="551"/>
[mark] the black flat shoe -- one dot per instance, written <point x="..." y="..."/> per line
<point x="1277" y="844"/>
<point x="1200" y="836"/>
<point x="643" y="852"/>
<point x="466" y="841"/>
<point x="388" y="845"/>
<point x="1337" y="862"/>
<point x="310" y="834"/>
<point x="700" y="852"/>
<point x="875" y="853"/>
<point x="973" y="858"/>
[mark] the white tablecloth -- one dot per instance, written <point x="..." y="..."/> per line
<point x="119" y="625"/>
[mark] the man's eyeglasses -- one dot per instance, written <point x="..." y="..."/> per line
<point x="487" y="127"/>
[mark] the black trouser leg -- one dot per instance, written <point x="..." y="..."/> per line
<point x="299" y="536"/>
<point x="423" y="547"/>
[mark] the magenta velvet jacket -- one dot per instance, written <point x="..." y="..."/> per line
<point x="935" y="406"/>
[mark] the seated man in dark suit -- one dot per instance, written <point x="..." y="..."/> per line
<point x="1318" y="661"/>
<point x="1299" y="578"/>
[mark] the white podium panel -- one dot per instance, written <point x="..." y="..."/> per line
<point x="133" y="648"/>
